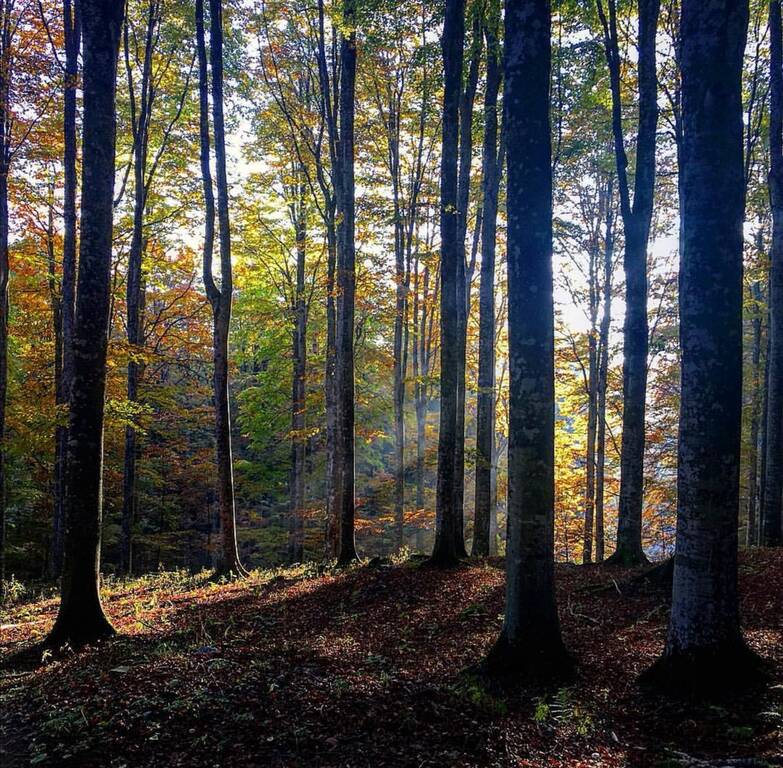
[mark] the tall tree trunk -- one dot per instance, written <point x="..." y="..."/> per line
<point x="227" y="556"/>
<point x="463" y="277"/>
<point x="346" y="285"/>
<point x="704" y="646"/>
<point x="771" y="523"/>
<point x="485" y="406"/>
<point x="530" y="645"/>
<point x="7" y="25"/>
<point x="72" y="40"/>
<point x="330" y="392"/>
<point x="134" y="289"/>
<point x="637" y="216"/>
<point x="299" y="387"/>
<point x="447" y="516"/>
<point x="603" y="375"/>
<point x="751" y="536"/>
<point x="592" y="405"/>
<point x="81" y="618"/>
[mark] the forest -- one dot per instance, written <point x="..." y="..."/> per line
<point x="391" y="383"/>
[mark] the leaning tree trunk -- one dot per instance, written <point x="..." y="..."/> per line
<point x="346" y="284"/>
<point x="637" y="216"/>
<point x="81" y="618"/>
<point x="530" y="645"/>
<point x="771" y="523"/>
<point x="72" y="40"/>
<point x="485" y="406"/>
<point x="704" y="647"/>
<point x="447" y="516"/>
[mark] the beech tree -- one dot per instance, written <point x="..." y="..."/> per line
<point x="636" y="214"/>
<point x="704" y="646"/>
<point x="447" y="516"/>
<point x="81" y="619"/>
<point x="530" y="645"/>
<point x="492" y="164"/>
<point x="772" y="510"/>
<point x="220" y="298"/>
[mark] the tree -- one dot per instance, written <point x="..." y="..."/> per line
<point x="220" y="298"/>
<point x="72" y="41"/>
<point x="491" y="169"/>
<point x="636" y="215"/>
<point x="81" y="619"/>
<point x="447" y="516"/>
<point x="771" y="522"/>
<point x="530" y="645"/>
<point x="704" y="646"/>
<point x="346" y="285"/>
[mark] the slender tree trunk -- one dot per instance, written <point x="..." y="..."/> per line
<point x="299" y="390"/>
<point x="530" y="645"/>
<point x="751" y="537"/>
<point x="485" y="407"/>
<point x="134" y="289"/>
<point x="771" y="522"/>
<point x="72" y="39"/>
<point x="81" y="618"/>
<point x="447" y="516"/>
<point x="704" y="647"/>
<point x="637" y="216"/>
<point x="227" y="556"/>
<point x="346" y="285"/>
<point x="603" y="376"/>
<point x="332" y="479"/>
<point x="592" y="408"/>
<point x="463" y="279"/>
<point x="4" y="314"/>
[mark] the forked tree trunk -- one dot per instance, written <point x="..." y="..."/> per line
<point x="530" y="645"/>
<point x="81" y="619"/>
<point x="637" y="216"/>
<point x="771" y="523"/>
<point x="447" y="516"/>
<point x="704" y="647"/>
<point x="485" y="406"/>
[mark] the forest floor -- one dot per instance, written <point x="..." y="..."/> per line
<point x="364" y="668"/>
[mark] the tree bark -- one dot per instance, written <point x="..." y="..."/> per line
<point x="704" y="646"/>
<point x="81" y="619"/>
<point x="485" y="406"/>
<point x="771" y="523"/>
<point x="530" y="645"/>
<point x="637" y="216"/>
<point x="447" y="516"/>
